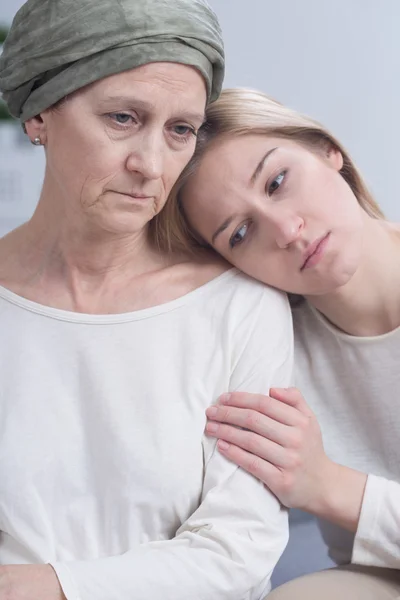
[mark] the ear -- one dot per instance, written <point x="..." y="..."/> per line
<point x="335" y="158"/>
<point x="36" y="128"/>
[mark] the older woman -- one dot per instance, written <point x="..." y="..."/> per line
<point x="111" y="350"/>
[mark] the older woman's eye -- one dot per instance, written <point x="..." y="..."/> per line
<point x="239" y="235"/>
<point x="276" y="183"/>
<point x="184" y="131"/>
<point x="122" y="118"/>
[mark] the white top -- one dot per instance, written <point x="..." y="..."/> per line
<point x="105" y="471"/>
<point x="352" y="384"/>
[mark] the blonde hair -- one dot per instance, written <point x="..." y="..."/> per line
<point x="240" y="112"/>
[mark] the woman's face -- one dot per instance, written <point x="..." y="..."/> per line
<point x="115" y="148"/>
<point x="277" y="211"/>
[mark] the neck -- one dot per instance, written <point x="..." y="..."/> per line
<point x="369" y="304"/>
<point x="92" y="252"/>
<point x="55" y="252"/>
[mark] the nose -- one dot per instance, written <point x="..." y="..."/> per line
<point x="286" y="227"/>
<point x="147" y="158"/>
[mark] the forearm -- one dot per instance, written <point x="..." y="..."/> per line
<point x="377" y="542"/>
<point x="227" y="549"/>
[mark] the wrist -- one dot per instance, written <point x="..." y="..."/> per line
<point x="340" y="496"/>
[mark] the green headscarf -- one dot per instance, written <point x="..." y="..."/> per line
<point x="55" y="47"/>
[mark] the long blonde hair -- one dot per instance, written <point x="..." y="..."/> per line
<point x="241" y="112"/>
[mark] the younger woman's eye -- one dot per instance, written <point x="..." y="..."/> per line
<point x="276" y="183"/>
<point x="239" y="235"/>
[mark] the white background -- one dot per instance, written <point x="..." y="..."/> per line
<point x="338" y="61"/>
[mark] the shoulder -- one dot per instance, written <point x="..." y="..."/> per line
<point x="261" y="331"/>
<point x="211" y="274"/>
<point x="252" y="293"/>
<point x="253" y="309"/>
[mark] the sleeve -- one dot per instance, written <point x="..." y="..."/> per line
<point x="228" y="547"/>
<point x="377" y="541"/>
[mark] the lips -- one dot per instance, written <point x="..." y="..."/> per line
<point x="140" y="196"/>
<point x="313" y="251"/>
<point x="136" y="196"/>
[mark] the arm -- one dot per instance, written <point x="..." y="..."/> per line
<point x="281" y="443"/>
<point x="227" y="550"/>
<point x="228" y="547"/>
<point x="377" y="542"/>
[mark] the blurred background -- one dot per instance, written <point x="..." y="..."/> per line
<point x="338" y="61"/>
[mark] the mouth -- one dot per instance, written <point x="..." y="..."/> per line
<point x="140" y="196"/>
<point x="135" y="196"/>
<point x="314" y="252"/>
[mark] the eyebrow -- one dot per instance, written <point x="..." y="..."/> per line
<point x="143" y="105"/>
<point x="261" y="165"/>
<point x="253" y="179"/>
<point x="222" y="227"/>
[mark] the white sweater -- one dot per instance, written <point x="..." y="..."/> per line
<point x="353" y="386"/>
<point x="105" y="470"/>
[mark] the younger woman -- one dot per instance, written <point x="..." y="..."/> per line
<point x="279" y="197"/>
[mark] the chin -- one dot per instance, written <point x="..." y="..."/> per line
<point x="126" y="224"/>
<point x="332" y="283"/>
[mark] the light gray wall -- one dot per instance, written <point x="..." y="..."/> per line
<point x="337" y="60"/>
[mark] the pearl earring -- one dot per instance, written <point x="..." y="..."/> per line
<point x="37" y="141"/>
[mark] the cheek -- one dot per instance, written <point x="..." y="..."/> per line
<point x="180" y="160"/>
<point x="88" y="150"/>
<point x="339" y="201"/>
<point x="260" y="265"/>
<point x="173" y="167"/>
<point x="96" y="165"/>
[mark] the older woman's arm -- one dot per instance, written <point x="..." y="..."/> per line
<point x="229" y="546"/>
<point x="227" y="549"/>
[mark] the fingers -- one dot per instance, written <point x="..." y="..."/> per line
<point x="257" y="445"/>
<point x="249" y="419"/>
<point x="254" y="465"/>
<point x="282" y="404"/>
<point x="291" y="397"/>
<point x="254" y="404"/>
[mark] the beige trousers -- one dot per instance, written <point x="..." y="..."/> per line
<point x="342" y="583"/>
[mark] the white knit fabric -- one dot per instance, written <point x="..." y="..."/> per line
<point x="105" y="469"/>
<point x="353" y="386"/>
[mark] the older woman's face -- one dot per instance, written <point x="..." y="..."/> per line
<point x="115" y="149"/>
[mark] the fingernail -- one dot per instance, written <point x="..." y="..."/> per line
<point x="211" y="411"/>
<point x="224" y="399"/>
<point x="213" y="427"/>
<point x="223" y="445"/>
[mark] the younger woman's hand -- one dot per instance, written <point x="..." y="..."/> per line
<point x="277" y="439"/>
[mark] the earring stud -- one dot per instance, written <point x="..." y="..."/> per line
<point x="37" y="141"/>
